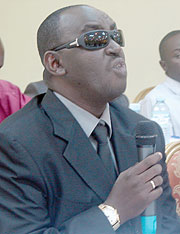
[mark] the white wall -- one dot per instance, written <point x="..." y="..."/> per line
<point x="144" y="23"/>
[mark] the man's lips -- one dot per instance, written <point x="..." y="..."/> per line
<point x="118" y="64"/>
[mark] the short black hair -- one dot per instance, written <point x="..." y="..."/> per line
<point x="48" y="34"/>
<point x="162" y="42"/>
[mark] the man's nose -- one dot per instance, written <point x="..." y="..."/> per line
<point x="114" y="49"/>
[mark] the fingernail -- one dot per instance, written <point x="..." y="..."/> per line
<point x="160" y="154"/>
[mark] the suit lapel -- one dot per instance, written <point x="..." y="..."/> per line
<point x="87" y="163"/>
<point x="79" y="151"/>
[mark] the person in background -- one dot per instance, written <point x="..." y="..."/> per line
<point x="1" y="54"/>
<point x="68" y="159"/>
<point x="11" y="98"/>
<point x="169" y="90"/>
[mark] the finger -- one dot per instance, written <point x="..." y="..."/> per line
<point x="151" y="172"/>
<point x="155" y="193"/>
<point x="147" y="163"/>
<point x="154" y="183"/>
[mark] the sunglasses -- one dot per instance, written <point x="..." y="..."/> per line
<point x="94" y="40"/>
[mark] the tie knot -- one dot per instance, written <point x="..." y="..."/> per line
<point x="100" y="133"/>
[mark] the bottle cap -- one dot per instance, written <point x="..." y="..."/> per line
<point x="160" y="99"/>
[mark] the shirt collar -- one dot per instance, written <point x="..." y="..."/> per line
<point x="172" y="84"/>
<point x="87" y="121"/>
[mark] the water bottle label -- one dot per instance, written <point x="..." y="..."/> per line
<point x="165" y="126"/>
<point x="161" y="115"/>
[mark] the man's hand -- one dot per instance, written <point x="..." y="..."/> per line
<point x="133" y="190"/>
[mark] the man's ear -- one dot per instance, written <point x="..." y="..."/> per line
<point x="53" y="63"/>
<point x="163" y="65"/>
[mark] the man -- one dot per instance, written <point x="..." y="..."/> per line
<point x="11" y="98"/>
<point x="169" y="50"/>
<point x="53" y="176"/>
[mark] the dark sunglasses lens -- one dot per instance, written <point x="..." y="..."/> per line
<point x="118" y="37"/>
<point x="96" y="39"/>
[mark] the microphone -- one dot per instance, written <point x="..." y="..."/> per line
<point x="146" y="145"/>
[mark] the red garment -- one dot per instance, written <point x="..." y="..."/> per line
<point x="11" y="99"/>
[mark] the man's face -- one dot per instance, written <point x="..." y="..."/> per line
<point x="172" y="57"/>
<point x="97" y="74"/>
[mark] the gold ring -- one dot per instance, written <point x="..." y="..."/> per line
<point x="153" y="184"/>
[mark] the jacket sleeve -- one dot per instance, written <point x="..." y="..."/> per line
<point x="24" y="196"/>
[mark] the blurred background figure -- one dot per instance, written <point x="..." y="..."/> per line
<point x="169" y="90"/>
<point x="1" y="54"/>
<point x="11" y="98"/>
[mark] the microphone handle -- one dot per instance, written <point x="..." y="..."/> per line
<point x="148" y="217"/>
<point x="143" y="152"/>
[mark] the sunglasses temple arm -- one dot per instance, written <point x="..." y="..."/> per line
<point x="68" y="45"/>
<point x="73" y="44"/>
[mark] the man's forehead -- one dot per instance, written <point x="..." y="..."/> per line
<point x="85" y="17"/>
<point x="173" y="42"/>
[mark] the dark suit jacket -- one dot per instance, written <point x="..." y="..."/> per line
<point x="51" y="179"/>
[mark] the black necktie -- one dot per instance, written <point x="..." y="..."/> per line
<point x="103" y="150"/>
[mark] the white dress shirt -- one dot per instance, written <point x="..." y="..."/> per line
<point x="170" y="91"/>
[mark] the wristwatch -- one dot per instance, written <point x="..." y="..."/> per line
<point x="111" y="214"/>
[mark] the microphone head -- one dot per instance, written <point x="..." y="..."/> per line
<point x="145" y="133"/>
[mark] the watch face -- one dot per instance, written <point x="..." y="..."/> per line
<point x="110" y="215"/>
